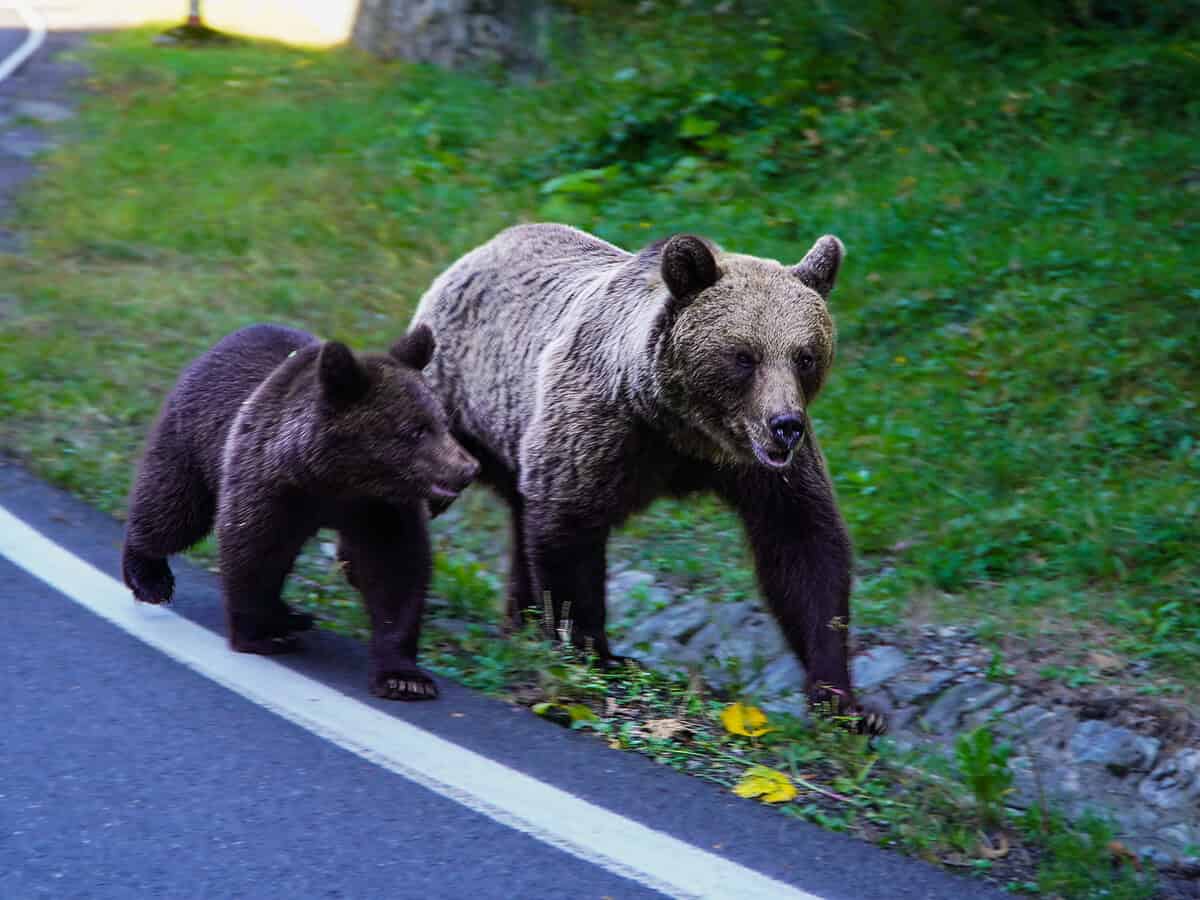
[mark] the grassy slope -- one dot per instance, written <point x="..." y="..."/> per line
<point x="1011" y="423"/>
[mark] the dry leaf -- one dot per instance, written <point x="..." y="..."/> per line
<point x="768" y="785"/>
<point x="748" y="720"/>
<point x="666" y="729"/>
<point x="1105" y="662"/>
<point x="990" y="850"/>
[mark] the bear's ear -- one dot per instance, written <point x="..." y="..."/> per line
<point x="819" y="268"/>
<point x="343" y="380"/>
<point x="688" y="267"/>
<point x="415" y="348"/>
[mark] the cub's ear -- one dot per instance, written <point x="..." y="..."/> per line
<point x="688" y="267"/>
<point x="343" y="380"/>
<point x="415" y="348"/>
<point x="820" y="265"/>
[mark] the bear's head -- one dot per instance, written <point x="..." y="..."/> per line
<point x="380" y="432"/>
<point x="747" y="346"/>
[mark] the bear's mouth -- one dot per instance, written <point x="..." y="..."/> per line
<point x="771" y="458"/>
<point x="442" y="491"/>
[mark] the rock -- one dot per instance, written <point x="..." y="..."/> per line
<point x="1028" y="721"/>
<point x="752" y="643"/>
<point x="726" y="618"/>
<point x="1118" y="749"/>
<point x="1174" y="783"/>
<point x="943" y="716"/>
<point x="876" y="666"/>
<point x="782" y="677"/>
<point x="1181" y="835"/>
<point x="678" y="622"/>
<point x="42" y="110"/>
<point x="796" y="706"/>
<point x="1155" y="855"/>
<point x="913" y="688"/>
<point x="628" y="593"/>
<point x="993" y="715"/>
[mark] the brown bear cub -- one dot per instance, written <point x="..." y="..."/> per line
<point x="271" y="435"/>
<point x="588" y="381"/>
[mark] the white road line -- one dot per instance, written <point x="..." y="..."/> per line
<point x="37" y="33"/>
<point x="546" y="813"/>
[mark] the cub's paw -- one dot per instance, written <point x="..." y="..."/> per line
<point x="404" y="684"/>
<point x="268" y="645"/>
<point x="150" y="579"/>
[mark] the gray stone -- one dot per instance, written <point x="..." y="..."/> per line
<point x="752" y="643"/>
<point x="876" y="666"/>
<point x="1181" y="835"/>
<point x="992" y="716"/>
<point x="1027" y="722"/>
<point x="796" y="706"/>
<point x="1174" y="783"/>
<point x="917" y="687"/>
<point x="726" y="618"/>
<point x="945" y="712"/>
<point x="628" y="593"/>
<point x="677" y="622"/>
<point x="782" y="677"/>
<point x="42" y="110"/>
<point x="1118" y="749"/>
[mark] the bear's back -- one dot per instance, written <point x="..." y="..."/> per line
<point x="495" y="310"/>
<point x="211" y="390"/>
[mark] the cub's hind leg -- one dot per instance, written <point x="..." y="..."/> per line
<point x="170" y="509"/>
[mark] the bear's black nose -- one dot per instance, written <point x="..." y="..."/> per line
<point x="787" y="429"/>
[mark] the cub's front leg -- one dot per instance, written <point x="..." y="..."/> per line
<point x="386" y="552"/>
<point x="258" y="539"/>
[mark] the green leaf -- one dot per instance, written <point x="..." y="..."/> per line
<point x="695" y="127"/>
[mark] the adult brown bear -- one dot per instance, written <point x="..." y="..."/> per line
<point x="588" y="381"/>
<point x="273" y="434"/>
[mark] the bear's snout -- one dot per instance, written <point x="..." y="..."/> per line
<point x="787" y="429"/>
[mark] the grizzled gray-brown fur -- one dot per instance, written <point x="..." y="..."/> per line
<point x="271" y="435"/>
<point x="589" y="381"/>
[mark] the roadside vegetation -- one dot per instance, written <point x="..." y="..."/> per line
<point x="1011" y="422"/>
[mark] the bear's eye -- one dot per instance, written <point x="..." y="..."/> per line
<point x="805" y="362"/>
<point x="420" y="432"/>
<point x="744" y="361"/>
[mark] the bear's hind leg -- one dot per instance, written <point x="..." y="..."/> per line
<point x="387" y="549"/>
<point x="171" y="509"/>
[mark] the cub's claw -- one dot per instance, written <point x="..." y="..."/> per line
<point x="406" y="685"/>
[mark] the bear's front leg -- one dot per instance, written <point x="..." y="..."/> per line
<point x="803" y="560"/>
<point x="387" y="549"/>
<point x="259" y="539"/>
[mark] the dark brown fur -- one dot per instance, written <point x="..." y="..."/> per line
<point x="272" y="435"/>
<point x="588" y="381"/>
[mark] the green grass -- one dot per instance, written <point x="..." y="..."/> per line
<point x="1011" y="423"/>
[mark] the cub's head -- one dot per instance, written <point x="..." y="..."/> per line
<point x="380" y="432"/>
<point x="747" y="345"/>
